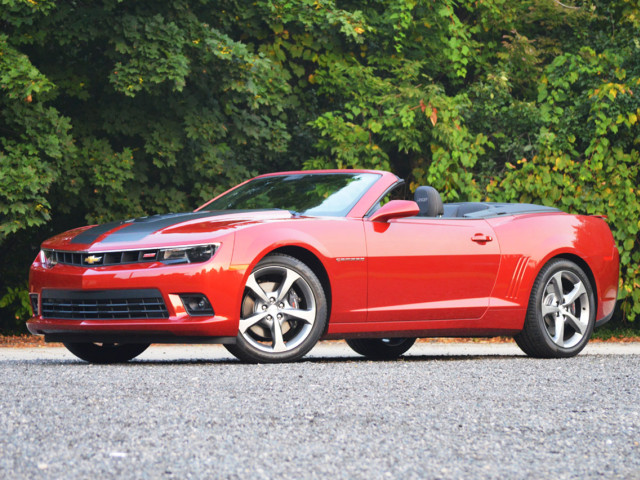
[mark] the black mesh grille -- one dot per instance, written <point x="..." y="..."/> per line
<point x="103" y="305"/>
<point x="102" y="258"/>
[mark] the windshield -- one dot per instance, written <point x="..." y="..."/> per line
<point x="315" y="194"/>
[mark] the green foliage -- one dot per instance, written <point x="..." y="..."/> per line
<point x="587" y="157"/>
<point x="34" y="141"/>
<point x="115" y="109"/>
<point x="17" y="300"/>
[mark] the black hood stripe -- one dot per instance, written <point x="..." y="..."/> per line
<point x="137" y="229"/>
<point x="91" y="234"/>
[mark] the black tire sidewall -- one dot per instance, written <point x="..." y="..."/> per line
<point x="118" y="353"/>
<point x="376" y="349"/>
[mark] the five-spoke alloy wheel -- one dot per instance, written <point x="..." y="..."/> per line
<point x="561" y="313"/>
<point x="283" y="312"/>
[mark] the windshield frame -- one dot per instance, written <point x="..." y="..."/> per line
<point x="359" y="211"/>
<point x="374" y="179"/>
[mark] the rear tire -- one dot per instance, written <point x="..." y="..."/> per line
<point x="561" y="312"/>
<point x="381" y="348"/>
<point x="106" y="352"/>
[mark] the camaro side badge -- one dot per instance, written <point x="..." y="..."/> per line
<point x="350" y="259"/>
<point x="91" y="259"/>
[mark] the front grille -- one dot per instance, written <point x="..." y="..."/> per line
<point x="99" y="259"/>
<point x="103" y="304"/>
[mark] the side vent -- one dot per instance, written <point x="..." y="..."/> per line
<point x="518" y="275"/>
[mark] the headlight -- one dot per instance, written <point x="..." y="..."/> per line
<point x="48" y="258"/>
<point x="197" y="254"/>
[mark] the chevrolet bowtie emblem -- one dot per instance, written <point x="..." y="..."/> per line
<point x="91" y="259"/>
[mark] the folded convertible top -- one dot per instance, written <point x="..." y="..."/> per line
<point x="491" y="209"/>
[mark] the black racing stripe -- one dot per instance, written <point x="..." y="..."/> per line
<point x="91" y="235"/>
<point x="141" y="227"/>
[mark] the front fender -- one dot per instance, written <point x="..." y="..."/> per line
<point x="329" y="240"/>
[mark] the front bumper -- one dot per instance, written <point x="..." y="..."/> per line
<point x="220" y="283"/>
<point x="604" y="320"/>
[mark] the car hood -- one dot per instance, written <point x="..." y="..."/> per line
<point x="161" y="230"/>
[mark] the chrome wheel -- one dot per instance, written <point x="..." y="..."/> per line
<point x="283" y="311"/>
<point x="561" y="313"/>
<point x="565" y="309"/>
<point x="278" y="310"/>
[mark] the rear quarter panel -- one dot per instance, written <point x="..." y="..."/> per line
<point x="528" y="242"/>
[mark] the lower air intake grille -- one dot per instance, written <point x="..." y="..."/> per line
<point x="103" y="304"/>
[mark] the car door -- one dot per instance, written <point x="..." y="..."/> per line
<point x="430" y="268"/>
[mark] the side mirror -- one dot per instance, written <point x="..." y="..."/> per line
<point x="395" y="209"/>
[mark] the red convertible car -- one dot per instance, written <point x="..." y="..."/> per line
<point x="282" y="260"/>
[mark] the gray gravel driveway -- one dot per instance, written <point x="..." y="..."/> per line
<point x="444" y="411"/>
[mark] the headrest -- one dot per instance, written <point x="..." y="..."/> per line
<point x="429" y="202"/>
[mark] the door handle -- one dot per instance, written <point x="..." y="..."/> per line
<point x="481" y="238"/>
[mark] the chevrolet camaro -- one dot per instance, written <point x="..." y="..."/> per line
<point x="283" y="260"/>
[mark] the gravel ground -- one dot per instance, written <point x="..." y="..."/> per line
<point x="445" y="411"/>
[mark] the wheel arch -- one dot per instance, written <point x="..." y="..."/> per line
<point x="586" y="269"/>
<point x="572" y="257"/>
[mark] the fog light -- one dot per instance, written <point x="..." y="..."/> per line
<point x="34" y="303"/>
<point x="196" y="304"/>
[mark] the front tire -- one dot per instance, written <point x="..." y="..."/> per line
<point x="283" y="313"/>
<point x="381" y="348"/>
<point x="561" y="313"/>
<point x="106" y="352"/>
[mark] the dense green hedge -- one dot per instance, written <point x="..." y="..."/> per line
<point x="114" y="109"/>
